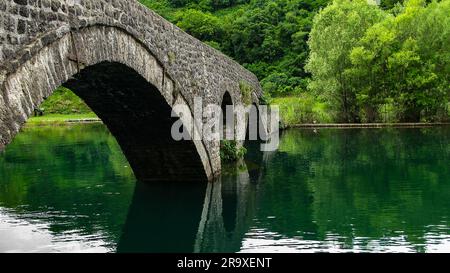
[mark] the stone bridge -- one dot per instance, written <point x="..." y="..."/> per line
<point x="129" y="65"/>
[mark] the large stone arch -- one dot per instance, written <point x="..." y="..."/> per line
<point x="57" y="39"/>
<point x="125" y="85"/>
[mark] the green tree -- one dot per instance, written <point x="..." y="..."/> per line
<point x="406" y="58"/>
<point x="368" y="74"/>
<point x="336" y="30"/>
<point x="270" y="39"/>
<point x="204" y="26"/>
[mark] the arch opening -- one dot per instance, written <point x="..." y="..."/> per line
<point x="227" y="117"/>
<point x="253" y="124"/>
<point x="138" y="116"/>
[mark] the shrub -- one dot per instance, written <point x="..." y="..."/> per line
<point x="229" y="151"/>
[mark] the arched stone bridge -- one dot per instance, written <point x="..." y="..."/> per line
<point x="129" y="65"/>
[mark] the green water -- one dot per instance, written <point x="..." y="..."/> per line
<point x="70" y="189"/>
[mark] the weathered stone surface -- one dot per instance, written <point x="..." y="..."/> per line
<point x="84" y="44"/>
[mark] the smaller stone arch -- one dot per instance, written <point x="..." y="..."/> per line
<point x="227" y="119"/>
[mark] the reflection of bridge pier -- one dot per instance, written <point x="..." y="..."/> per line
<point x="227" y="214"/>
<point x="188" y="218"/>
<point x="257" y="161"/>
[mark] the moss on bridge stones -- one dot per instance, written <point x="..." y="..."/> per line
<point x="172" y="56"/>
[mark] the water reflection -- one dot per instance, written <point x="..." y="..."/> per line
<point x="227" y="213"/>
<point x="70" y="189"/>
<point x="189" y="217"/>
<point x="69" y="184"/>
<point x="163" y="218"/>
<point x="23" y="235"/>
<point x="355" y="190"/>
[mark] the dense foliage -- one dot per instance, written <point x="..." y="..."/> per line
<point x="269" y="37"/>
<point x="333" y="61"/>
<point x="367" y="62"/>
<point x="364" y="59"/>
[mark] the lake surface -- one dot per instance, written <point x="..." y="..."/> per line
<point x="70" y="189"/>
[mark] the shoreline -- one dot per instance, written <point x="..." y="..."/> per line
<point x="62" y="123"/>
<point x="62" y="120"/>
<point x="56" y="120"/>
<point x="88" y="120"/>
<point x="367" y="125"/>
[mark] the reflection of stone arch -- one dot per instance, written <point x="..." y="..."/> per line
<point x="158" y="209"/>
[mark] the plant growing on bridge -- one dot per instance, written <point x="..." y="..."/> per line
<point x="230" y="152"/>
<point x="246" y="90"/>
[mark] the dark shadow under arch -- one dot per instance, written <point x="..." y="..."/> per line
<point x="226" y="101"/>
<point x="138" y="116"/>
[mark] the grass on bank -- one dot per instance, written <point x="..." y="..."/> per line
<point x="301" y="109"/>
<point x="60" y="119"/>
<point x="305" y="109"/>
<point x="64" y="101"/>
<point x="62" y="107"/>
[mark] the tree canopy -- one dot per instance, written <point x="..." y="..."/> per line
<point x="358" y="58"/>
<point x="363" y="58"/>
